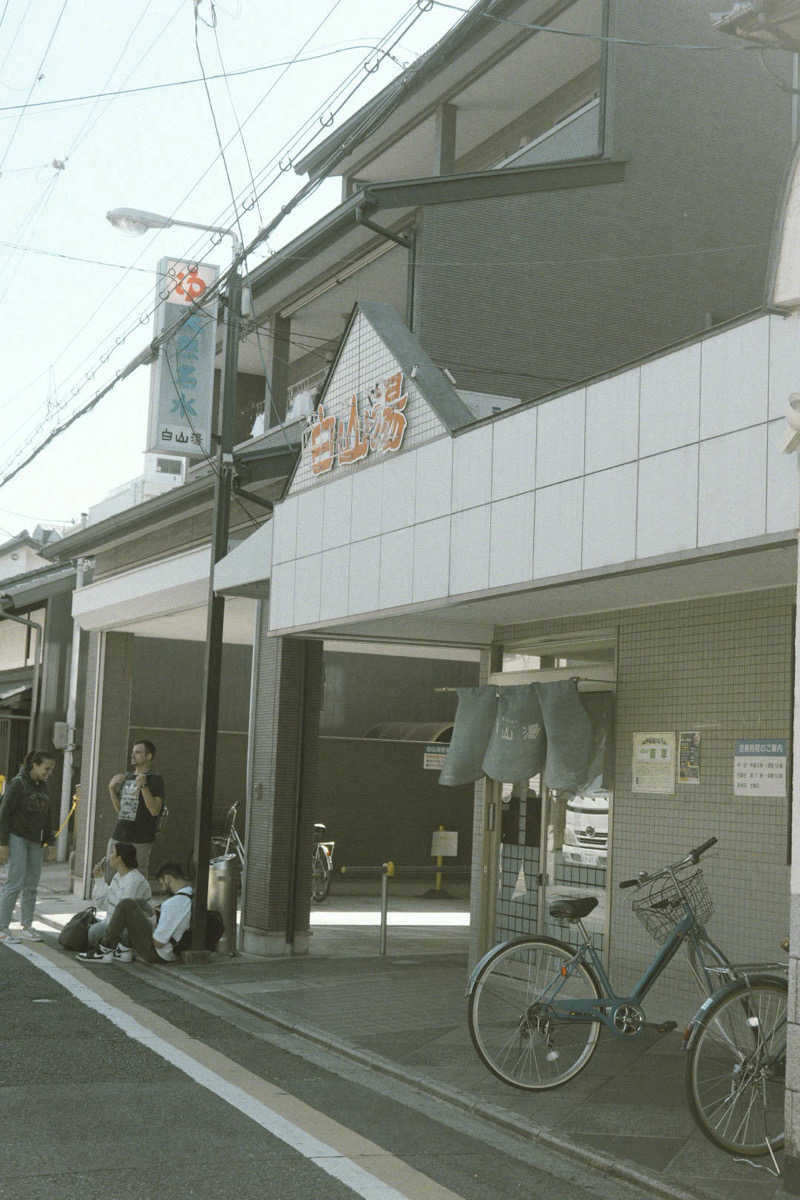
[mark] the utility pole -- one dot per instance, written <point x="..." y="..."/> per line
<point x="212" y="670"/>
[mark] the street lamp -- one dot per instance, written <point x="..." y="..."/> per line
<point x="135" y="221"/>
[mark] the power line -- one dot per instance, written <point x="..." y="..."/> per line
<point x="174" y="83"/>
<point x="36" y="79"/>
<point x="400" y="28"/>
<point x="95" y="262"/>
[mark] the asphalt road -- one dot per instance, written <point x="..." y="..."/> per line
<point x="119" y="1082"/>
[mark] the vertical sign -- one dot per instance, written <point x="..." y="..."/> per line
<point x="182" y="378"/>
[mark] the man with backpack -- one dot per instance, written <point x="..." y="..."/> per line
<point x="138" y="800"/>
<point x="153" y="945"/>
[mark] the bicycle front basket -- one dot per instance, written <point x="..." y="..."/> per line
<point x="661" y="905"/>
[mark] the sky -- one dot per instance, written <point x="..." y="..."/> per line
<point x="77" y="295"/>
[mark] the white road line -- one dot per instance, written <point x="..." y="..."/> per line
<point x="326" y="1157"/>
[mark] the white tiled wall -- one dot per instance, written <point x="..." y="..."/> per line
<point x="667" y="457"/>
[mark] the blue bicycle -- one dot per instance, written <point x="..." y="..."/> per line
<point x="536" y="1005"/>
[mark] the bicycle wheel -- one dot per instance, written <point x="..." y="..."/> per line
<point x="513" y="1017"/>
<point x="320" y="876"/>
<point x="736" y="1066"/>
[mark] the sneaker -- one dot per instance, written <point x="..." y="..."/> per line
<point x="7" y="936"/>
<point x="123" y="954"/>
<point x="100" y="954"/>
<point x="29" y="934"/>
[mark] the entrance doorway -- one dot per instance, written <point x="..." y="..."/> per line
<point x="553" y="843"/>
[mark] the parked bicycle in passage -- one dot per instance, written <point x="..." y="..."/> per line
<point x="321" y="864"/>
<point x="536" y="1007"/>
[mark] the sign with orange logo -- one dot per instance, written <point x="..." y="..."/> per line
<point x="182" y="378"/>
<point x="375" y="424"/>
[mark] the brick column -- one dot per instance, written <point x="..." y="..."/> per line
<point x="286" y="696"/>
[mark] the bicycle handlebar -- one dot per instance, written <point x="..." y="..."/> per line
<point x="693" y="856"/>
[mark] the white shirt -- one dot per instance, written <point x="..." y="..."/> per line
<point x="176" y="916"/>
<point x="130" y="886"/>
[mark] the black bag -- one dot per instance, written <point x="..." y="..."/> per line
<point x="75" y="934"/>
<point x="215" y="927"/>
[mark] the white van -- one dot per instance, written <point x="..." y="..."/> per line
<point x="586" y="830"/>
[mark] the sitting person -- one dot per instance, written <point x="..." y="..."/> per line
<point x="128" y="883"/>
<point x="129" y="927"/>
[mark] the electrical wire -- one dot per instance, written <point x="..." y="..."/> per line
<point x="36" y="79"/>
<point x="213" y="113"/>
<point x="95" y="262"/>
<point x="403" y="26"/>
<point x="39" y="106"/>
<point x="142" y="318"/>
<point x="236" y="118"/>
<point x="13" y="41"/>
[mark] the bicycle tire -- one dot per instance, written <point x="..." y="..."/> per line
<point x="513" y="1029"/>
<point x="320" y="876"/>
<point x="736" y="1066"/>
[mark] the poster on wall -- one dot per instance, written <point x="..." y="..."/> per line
<point x="654" y="763"/>
<point x="759" y="767"/>
<point x="689" y="757"/>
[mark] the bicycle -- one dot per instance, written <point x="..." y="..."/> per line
<point x="321" y="865"/>
<point x="736" y="1062"/>
<point x="230" y="839"/>
<point x="536" y="1005"/>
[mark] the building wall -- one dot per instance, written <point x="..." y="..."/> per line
<point x="679" y="453"/>
<point x="722" y="666"/>
<point x="150" y="688"/>
<point x="524" y="295"/>
<point x="362" y="690"/>
<point x="378" y="803"/>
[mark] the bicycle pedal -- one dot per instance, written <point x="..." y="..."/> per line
<point x="666" y="1026"/>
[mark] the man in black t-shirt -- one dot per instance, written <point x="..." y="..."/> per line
<point x="138" y="798"/>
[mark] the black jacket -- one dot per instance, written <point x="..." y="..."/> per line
<point x="25" y="810"/>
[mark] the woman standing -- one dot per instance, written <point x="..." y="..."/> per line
<point x="24" y="831"/>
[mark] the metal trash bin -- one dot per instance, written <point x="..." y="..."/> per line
<point x="224" y="879"/>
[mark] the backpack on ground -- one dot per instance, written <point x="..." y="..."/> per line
<point x="215" y="927"/>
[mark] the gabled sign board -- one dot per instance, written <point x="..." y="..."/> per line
<point x="383" y="395"/>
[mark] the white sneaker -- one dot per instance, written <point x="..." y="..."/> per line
<point x="29" y="934"/>
<point x="7" y="936"/>
<point x="123" y="954"/>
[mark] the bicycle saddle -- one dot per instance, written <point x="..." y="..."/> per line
<point x="573" y="910"/>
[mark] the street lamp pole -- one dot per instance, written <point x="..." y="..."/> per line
<point x="212" y="668"/>
<point x="136" y="221"/>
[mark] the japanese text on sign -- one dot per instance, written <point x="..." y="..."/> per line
<point x="759" y="767"/>
<point x="377" y="426"/>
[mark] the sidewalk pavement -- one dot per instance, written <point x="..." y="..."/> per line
<point x="404" y="1015"/>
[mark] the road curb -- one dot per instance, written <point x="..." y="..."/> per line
<point x="596" y="1159"/>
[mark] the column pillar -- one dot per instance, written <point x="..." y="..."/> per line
<point x="104" y="747"/>
<point x="277" y="383"/>
<point x="283" y="762"/>
<point x="445" y="140"/>
<point x="791" y="1170"/>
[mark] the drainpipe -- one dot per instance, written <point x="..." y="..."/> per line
<point x="83" y="566"/>
<point x="5" y="602"/>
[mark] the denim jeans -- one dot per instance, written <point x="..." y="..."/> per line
<point x="24" y="870"/>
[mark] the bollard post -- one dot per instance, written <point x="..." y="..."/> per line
<point x="387" y="869"/>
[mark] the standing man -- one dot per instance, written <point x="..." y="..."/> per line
<point x="138" y="798"/>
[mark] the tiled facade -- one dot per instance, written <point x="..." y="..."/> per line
<point x="679" y="453"/>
